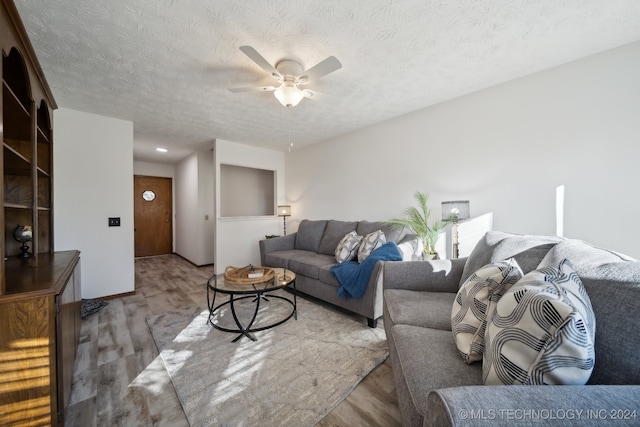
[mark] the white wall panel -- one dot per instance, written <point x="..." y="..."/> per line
<point x="93" y="180"/>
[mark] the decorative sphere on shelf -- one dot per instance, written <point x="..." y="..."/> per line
<point x="23" y="234"/>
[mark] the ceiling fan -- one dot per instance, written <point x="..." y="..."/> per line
<point x="290" y="76"/>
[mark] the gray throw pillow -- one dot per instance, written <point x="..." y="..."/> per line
<point x="347" y="249"/>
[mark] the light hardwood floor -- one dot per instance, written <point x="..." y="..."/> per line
<point x="119" y="379"/>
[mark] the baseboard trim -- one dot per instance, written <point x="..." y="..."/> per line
<point x="193" y="263"/>
<point x="124" y="294"/>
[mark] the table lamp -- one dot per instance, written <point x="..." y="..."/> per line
<point x="284" y="211"/>
<point x="455" y="211"/>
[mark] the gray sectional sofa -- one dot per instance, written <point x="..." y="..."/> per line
<point x="310" y="253"/>
<point x="435" y="387"/>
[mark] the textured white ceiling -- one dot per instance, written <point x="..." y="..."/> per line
<point x="166" y="65"/>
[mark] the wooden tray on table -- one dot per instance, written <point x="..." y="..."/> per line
<point x="248" y="275"/>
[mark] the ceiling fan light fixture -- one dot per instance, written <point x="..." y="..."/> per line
<point x="288" y="94"/>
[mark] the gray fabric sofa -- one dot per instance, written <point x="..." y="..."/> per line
<point x="435" y="387"/>
<point x="310" y="253"/>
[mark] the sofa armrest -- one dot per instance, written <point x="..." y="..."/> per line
<point x="589" y="405"/>
<point x="433" y="276"/>
<point x="282" y="243"/>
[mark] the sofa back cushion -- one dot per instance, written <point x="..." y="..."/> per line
<point x="310" y="234"/>
<point x="496" y="246"/>
<point x="612" y="282"/>
<point x="392" y="233"/>
<point x="333" y="233"/>
<point x="615" y="300"/>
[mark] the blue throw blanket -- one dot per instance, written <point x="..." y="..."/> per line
<point x="354" y="277"/>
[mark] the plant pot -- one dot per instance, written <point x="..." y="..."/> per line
<point x="430" y="257"/>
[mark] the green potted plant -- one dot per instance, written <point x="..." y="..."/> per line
<point x="417" y="221"/>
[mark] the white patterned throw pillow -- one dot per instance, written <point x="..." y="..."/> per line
<point x="542" y="332"/>
<point x="347" y="248"/>
<point x="476" y="302"/>
<point x="411" y="250"/>
<point x="370" y="243"/>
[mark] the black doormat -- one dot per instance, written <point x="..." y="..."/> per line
<point x="90" y="306"/>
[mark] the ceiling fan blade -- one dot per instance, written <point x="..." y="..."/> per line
<point x="323" y="68"/>
<point x="253" y="89"/>
<point x="314" y="95"/>
<point x="263" y="63"/>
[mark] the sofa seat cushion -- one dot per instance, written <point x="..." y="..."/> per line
<point x="429" y="360"/>
<point x="280" y="259"/>
<point x="309" y="264"/>
<point x="417" y="308"/>
<point x="326" y="276"/>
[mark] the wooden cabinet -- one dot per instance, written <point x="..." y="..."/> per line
<point x="40" y="293"/>
<point x="27" y="138"/>
<point x="40" y="327"/>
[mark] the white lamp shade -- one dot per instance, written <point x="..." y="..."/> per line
<point x="455" y="210"/>
<point x="288" y="94"/>
<point x="284" y="210"/>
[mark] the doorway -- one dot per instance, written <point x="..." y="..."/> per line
<point x="153" y="213"/>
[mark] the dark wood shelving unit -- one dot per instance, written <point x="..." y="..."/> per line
<point x="40" y="295"/>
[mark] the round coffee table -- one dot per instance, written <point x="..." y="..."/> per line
<point x="258" y="291"/>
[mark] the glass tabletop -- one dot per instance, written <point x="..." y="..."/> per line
<point x="281" y="279"/>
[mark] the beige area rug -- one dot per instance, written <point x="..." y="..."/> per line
<point x="294" y="375"/>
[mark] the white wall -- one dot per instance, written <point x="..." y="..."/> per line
<point x="506" y="149"/>
<point x="194" y="212"/>
<point x="154" y="169"/>
<point x="165" y="171"/>
<point x="206" y="211"/>
<point x="237" y="238"/>
<point x="93" y="180"/>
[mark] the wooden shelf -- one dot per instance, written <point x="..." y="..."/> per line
<point x="43" y="149"/>
<point x="18" y="148"/>
<point x="18" y="190"/>
<point x="42" y="137"/>
<point x="15" y="206"/>
<point x="11" y="95"/>
<point x="17" y="120"/>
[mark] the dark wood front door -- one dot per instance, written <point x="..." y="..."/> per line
<point x="152" y="204"/>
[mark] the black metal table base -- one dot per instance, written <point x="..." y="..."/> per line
<point x="246" y="331"/>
